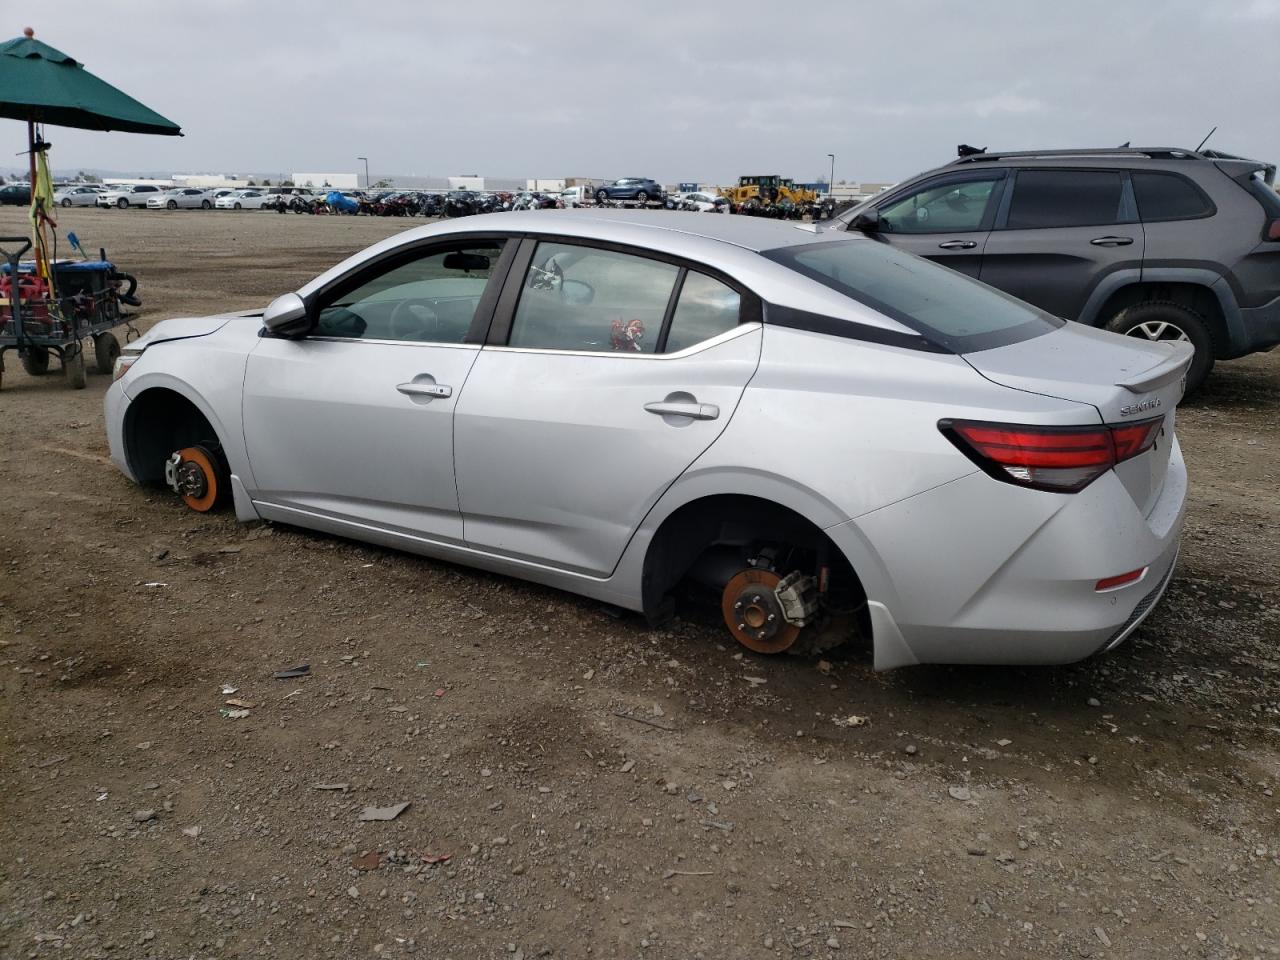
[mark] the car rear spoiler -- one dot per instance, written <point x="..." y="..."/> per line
<point x="1166" y="371"/>
<point x="1241" y="170"/>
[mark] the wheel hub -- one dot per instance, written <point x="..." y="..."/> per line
<point x="190" y="480"/>
<point x="753" y="613"/>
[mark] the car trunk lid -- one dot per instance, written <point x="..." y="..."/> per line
<point x="1125" y="379"/>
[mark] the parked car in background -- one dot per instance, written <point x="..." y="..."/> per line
<point x="77" y="195"/>
<point x="15" y="194"/>
<point x="630" y="188"/>
<point x="578" y="399"/>
<point x="135" y="195"/>
<point x="182" y="198"/>
<point x="705" y="203"/>
<point x="576" y="196"/>
<point x="250" y="199"/>
<point x="1158" y="243"/>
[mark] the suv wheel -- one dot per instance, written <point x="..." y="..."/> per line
<point x="642" y="197"/>
<point x="122" y="203"/>
<point x="601" y="196"/>
<point x="1160" y="320"/>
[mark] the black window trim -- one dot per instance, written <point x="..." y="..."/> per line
<point x="750" y="310"/>
<point x="1127" y="200"/>
<point x="1211" y="207"/>
<point x="391" y="259"/>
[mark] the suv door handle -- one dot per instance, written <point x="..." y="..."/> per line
<point x="1112" y="241"/>
<point x="958" y="244"/>
<point x="696" y="411"/>
<point x="437" y="390"/>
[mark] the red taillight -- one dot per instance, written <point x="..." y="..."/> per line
<point x="1273" y="230"/>
<point x="1120" y="580"/>
<point x="1063" y="459"/>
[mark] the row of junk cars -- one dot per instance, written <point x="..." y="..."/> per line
<point x="407" y="203"/>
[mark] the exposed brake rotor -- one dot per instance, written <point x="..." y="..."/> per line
<point x="753" y="613"/>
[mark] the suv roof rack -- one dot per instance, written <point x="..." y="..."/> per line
<point x="1152" y="153"/>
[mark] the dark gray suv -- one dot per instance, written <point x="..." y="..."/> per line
<point x="1163" y="243"/>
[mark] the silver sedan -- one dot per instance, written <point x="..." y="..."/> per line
<point x="819" y="435"/>
<point x="81" y="195"/>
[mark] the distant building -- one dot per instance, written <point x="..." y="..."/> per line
<point x="550" y="186"/>
<point x="317" y="181"/>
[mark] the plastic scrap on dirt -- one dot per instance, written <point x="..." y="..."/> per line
<point x="344" y="787"/>
<point x="434" y="858"/>
<point x="289" y="673"/>
<point x="853" y="720"/>
<point x="384" y="813"/>
<point x="228" y="690"/>
<point x="242" y="704"/>
<point x="369" y="861"/>
<point x="234" y="714"/>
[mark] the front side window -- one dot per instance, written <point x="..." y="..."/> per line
<point x="949" y="207"/>
<point x="430" y="299"/>
<point x="950" y="309"/>
<point x="583" y="298"/>
<point x="1066" y="198"/>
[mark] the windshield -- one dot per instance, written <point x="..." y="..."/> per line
<point x="947" y="308"/>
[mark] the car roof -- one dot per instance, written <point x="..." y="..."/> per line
<point x="750" y="233"/>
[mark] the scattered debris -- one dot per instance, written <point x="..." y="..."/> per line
<point x="589" y="674"/>
<point x="228" y="690"/>
<point x="344" y="787"/>
<point x="910" y="749"/>
<point x="302" y="670"/>
<point x="628" y="766"/>
<point x="144" y="745"/>
<point x="192" y="832"/>
<point x="384" y="813"/>
<point x="756" y="681"/>
<point x="1003" y="742"/>
<point x="434" y="858"/>
<point x="293" y="693"/>
<point x="51" y="761"/>
<point x="717" y="825"/>
<point x="687" y="873"/>
<point x="234" y="714"/>
<point x="142" y="816"/>
<point x="369" y="861"/>
<point x="155" y="584"/>
<point x="960" y="793"/>
<point x="844" y="924"/>
<point x="853" y="720"/>
<point x="825" y="667"/>
<point x="1102" y="936"/>
<point x="438" y="692"/>
<point x="244" y="704"/>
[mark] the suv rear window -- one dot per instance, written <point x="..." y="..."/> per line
<point x="1167" y="196"/>
<point x="950" y="310"/>
<point x="1066" y="198"/>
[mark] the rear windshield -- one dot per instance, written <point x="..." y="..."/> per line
<point x="947" y="308"/>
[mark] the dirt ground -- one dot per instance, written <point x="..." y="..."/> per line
<point x="579" y="785"/>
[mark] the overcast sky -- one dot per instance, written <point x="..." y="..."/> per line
<point x="676" y="91"/>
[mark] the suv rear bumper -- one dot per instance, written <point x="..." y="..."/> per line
<point x="1260" y="329"/>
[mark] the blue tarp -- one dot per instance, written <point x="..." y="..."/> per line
<point x="339" y="201"/>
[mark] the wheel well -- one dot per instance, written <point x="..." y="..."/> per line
<point x="158" y="422"/>
<point x="1193" y="296"/>
<point x="711" y="539"/>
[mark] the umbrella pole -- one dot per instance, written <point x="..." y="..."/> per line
<point x="35" y="227"/>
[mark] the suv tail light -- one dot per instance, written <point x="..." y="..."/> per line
<point x="1061" y="459"/>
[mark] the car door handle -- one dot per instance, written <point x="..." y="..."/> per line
<point x="437" y="390"/>
<point x="1112" y="241"/>
<point x="696" y="411"/>
<point x="958" y="244"/>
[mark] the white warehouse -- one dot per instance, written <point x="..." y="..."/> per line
<point x="339" y="181"/>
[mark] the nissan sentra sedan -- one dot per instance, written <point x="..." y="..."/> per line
<point x="816" y="434"/>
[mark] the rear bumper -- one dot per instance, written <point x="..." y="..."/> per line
<point x="1260" y="328"/>
<point x="977" y="571"/>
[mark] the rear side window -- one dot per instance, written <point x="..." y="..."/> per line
<point x="1066" y="198"/>
<point x="1167" y="196"/>
<point x="949" y="309"/>
<point x="706" y="309"/>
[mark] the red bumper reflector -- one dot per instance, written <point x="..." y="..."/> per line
<point x="1120" y="580"/>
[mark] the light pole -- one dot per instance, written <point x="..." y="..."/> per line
<point x="831" y="184"/>
<point x="367" y="184"/>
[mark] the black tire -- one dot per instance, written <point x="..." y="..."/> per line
<point x="205" y="205"/>
<point x="66" y="201"/>
<point x="122" y="203"/>
<point x="73" y="366"/>
<point x="1162" y="320"/>
<point x="237" y="206"/>
<point x="105" y="350"/>
<point x="172" y="204"/>
<point x="35" y="360"/>
<point x="642" y="197"/>
<point x="601" y="196"/>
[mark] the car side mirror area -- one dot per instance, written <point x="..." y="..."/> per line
<point x="577" y="293"/>
<point x="868" y="222"/>
<point x="287" y="316"/>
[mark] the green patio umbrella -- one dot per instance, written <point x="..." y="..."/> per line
<point x="42" y="85"/>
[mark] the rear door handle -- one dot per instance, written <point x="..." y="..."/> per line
<point x="696" y="411"/>
<point x="958" y="244"/>
<point x="437" y="390"/>
<point x="1112" y="241"/>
